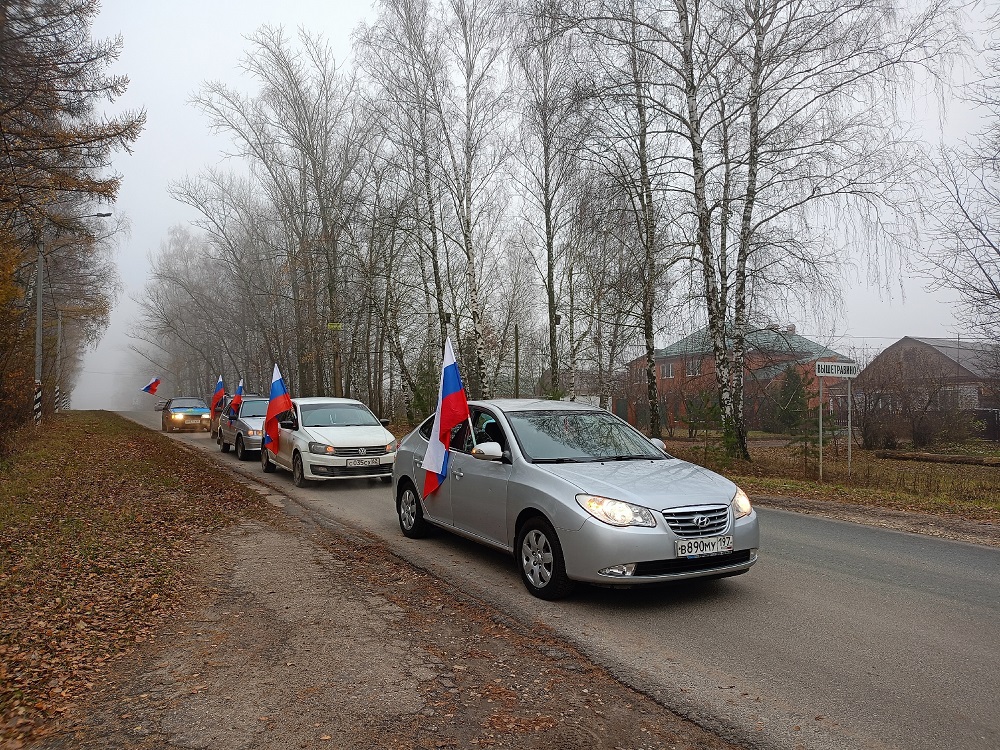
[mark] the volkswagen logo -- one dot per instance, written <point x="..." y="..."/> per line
<point x="700" y="521"/>
<point x="362" y="451"/>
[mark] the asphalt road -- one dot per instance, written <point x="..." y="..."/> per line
<point x="842" y="636"/>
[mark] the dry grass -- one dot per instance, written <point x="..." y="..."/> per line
<point x="97" y="518"/>
<point x="972" y="492"/>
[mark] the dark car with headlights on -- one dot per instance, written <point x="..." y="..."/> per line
<point x="185" y="413"/>
<point x="243" y="428"/>
<point x="577" y="495"/>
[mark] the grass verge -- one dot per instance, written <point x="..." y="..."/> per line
<point x="97" y="518"/>
<point x="959" y="490"/>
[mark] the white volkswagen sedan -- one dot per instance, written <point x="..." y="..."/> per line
<point x="576" y="494"/>
<point x="331" y="438"/>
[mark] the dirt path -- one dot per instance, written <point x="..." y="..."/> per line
<point x="303" y="637"/>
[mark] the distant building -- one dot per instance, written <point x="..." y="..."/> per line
<point x="954" y="373"/>
<point x="685" y="375"/>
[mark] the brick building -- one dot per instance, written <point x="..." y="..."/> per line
<point x="685" y="375"/>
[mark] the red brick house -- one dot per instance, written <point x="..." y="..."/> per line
<point x="685" y="374"/>
<point x="918" y="389"/>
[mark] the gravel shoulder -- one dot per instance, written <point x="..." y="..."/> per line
<point x="297" y="636"/>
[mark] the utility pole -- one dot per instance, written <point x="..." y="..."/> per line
<point x="58" y="394"/>
<point x="517" y="363"/>
<point x="38" y="337"/>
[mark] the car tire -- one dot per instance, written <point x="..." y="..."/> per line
<point x="266" y="464"/>
<point x="163" y="426"/>
<point x="410" y="512"/>
<point x="299" y="472"/>
<point x="540" y="560"/>
<point x="241" y="449"/>
<point x="223" y="445"/>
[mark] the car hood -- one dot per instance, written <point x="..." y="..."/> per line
<point x="349" y="437"/>
<point x="652" y="484"/>
<point x="253" y="423"/>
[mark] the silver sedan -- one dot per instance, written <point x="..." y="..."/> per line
<point x="577" y="494"/>
<point x="243" y="430"/>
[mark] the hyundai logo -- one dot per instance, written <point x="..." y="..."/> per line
<point x="701" y="521"/>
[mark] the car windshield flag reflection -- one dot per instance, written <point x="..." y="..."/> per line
<point x="234" y="405"/>
<point x="278" y="403"/>
<point x="452" y="410"/>
<point x="151" y="386"/>
<point x="220" y="391"/>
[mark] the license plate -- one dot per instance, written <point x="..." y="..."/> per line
<point x="362" y="462"/>
<point x="192" y="421"/>
<point x="711" y="545"/>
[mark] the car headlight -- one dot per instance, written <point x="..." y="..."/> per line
<point x="255" y="433"/>
<point x="741" y="504"/>
<point x="177" y="416"/>
<point x="206" y="416"/>
<point x="391" y="447"/>
<point x="323" y="449"/>
<point x="615" y="512"/>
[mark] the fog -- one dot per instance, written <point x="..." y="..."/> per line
<point x="171" y="48"/>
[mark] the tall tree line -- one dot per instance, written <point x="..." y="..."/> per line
<point x="572" y="180"/>
<point x="56" y="148"/>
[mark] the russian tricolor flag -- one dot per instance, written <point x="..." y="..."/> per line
<point x="151" y="386"/>
<point x="220" y="391"/>
<point x="234" y="405"/>
<point x="452" y="410"/>
<point x="278" y="403"/>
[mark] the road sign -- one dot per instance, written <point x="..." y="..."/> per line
<point x="837" y="369"/>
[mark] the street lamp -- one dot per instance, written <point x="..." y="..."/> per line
<point x="38" y="321"/>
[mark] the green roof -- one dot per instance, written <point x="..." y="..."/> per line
<point x="765" y="340"/>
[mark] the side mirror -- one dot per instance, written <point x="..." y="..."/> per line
<point x="288" y="424"/>
<point x="384" y="422"/>
<point x="488" y="452"/>
<point x="658" y="443"/>
<point x="160" y="405"/>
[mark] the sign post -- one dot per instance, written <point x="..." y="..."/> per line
<point x="849" y="371"/>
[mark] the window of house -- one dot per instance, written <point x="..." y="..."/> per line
<point x="667" y="370"/>
<point x="693" y="368"/>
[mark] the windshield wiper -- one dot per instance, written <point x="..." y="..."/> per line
<point x="565" y="460"/>
<point x="633" y="457"/>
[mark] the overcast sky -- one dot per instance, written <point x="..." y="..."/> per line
<point x="170" y="49"/>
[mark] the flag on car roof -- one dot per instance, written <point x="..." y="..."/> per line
<point x="278" y="403"/>
<point x="452" y="410"/>
<point x="151" y="386"/>
<point x="234" y="405"/>
<point x="220" y="392"/>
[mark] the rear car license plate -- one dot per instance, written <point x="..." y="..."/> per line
<point x="711" y="545"/>
<point x="362" y="462"/>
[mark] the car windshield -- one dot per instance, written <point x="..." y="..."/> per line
<point x="569" y="436"/>
<point x="188" y="403"/>
<point x="337" y="415"/>
<point x="254" y="408"/>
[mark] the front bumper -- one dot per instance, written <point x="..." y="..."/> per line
<point x="189" y="423"/>
<point x="336" y="467"/>
<point x="598" y="547"/>
<point x="251" y="442"/>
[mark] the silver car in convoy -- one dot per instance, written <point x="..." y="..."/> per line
<point x="577" y="494"/>
<point x="331" y="438"/>
<point x="243" y="430"/>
